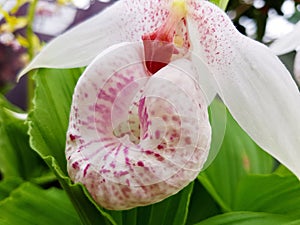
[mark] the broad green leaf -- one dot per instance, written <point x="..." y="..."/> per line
<point x="202" y="205"/>
<point x="48" y="123"/>
<point x="172" y="211"/>
<point x="17" y="159"/>
<point x="7" y="185"/>
<point x="269" y="193"/>
<point x="238" y="156"/>
<point x="30" y="205"/>
<point x="49" y="120"/>
<point x="221" y="3"/>
<point x="247" y="218"/>
<point x="283" y="171"/>
<point x="296" y="222"/>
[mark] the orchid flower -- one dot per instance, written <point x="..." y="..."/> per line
<point x="288" y="43"/>
<point x="139" y="129"/>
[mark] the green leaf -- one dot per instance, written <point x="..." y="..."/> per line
<point x="296" y="222"/>
<point x="202" y="205"/>
<point x="283" y="171"/>
<point x="172" y="211"/>
<point x="246" y="218"/>
<point x="7" y="185"/>
<point x="30" y="205"/>
<point x="16" y="157"/>
<point x="48" y="121"/>
<point x="238" y="156"/>
<point x="269" y="193"/>
<point x="221" y="3"/>
<point x="48" y="124"/>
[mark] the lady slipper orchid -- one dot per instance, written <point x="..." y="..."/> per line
<point x="288" y="43"/>
<point x="135" y="139"/>
<point x="139" y="129"/>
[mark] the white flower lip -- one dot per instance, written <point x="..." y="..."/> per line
<point x="165" y="115"/>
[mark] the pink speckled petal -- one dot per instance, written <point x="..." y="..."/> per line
<point x="253" y="83"/>
<point x="288" y="42"/>
<point x="123" y="165"/>
<point x="176" y="126"/>
<point x="126" y="20"/>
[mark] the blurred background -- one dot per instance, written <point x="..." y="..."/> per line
<point x="27" y="25"/>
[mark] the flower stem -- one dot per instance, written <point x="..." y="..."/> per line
<point x="30" y="49"/>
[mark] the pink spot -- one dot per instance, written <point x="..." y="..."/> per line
<point x="125" y="191"/>
<point x="160" y="147"/>
<point x="112" y="91"/>
<point x="140" y="163"/>
<point x="103" y="95"/>
<point x="120" y="85"/>
<point x="175" y="118"/>
<point x="159" y="157"/>
<point x="172" y="149"/>
<point x="149" y="152"/>
<point x="75" y="165"/>
<point x="157" y="134"/>
<point x="121" y="173"/>
<point x="127" y="161"/>
<point x="72" y="137"/>
<point x="85" y="169"/>
<point x="188" y="140"/>
<point x="145" y="136"/>
<point x="113" y="165"/>
<point x="109" y="145"/>
<point x="104" y="171"/>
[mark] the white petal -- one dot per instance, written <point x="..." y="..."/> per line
<point x="174" y="138"/>
<point x="288" y="42"/>
<point x="126" y="20"/>
<point x="253" y="83"/>
<point x="205" y="78"/>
